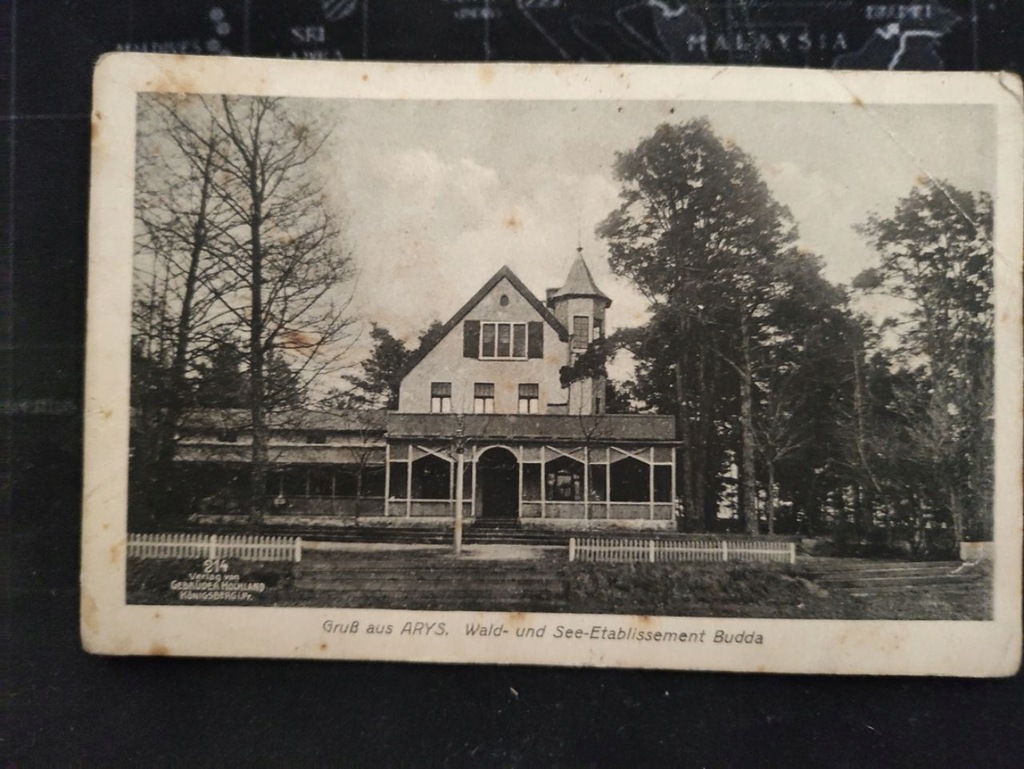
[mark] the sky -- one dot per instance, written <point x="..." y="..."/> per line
<point x="436" y="196"/>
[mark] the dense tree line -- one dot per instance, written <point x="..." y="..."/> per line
<point x="795" y="413"/>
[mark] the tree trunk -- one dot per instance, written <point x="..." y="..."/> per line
<point x="359" y="490"/>
<point x="771" y="498"/>
<point x="256" y="356"/>
<point x="858" y="511"/>
<point x="161" y="483"/>
<point x="684" y="430"/>
<point x="956" y="512"/>
<point x="703" y="493"/>
<point x="748" y="509"/>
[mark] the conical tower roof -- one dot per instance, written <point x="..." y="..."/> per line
<point x="580" y="283"/>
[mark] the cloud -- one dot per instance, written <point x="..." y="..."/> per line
<point x="826" y="209"/>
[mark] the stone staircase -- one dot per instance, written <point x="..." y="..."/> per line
<point x="428" y="579"/>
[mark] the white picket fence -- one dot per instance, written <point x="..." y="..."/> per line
<point x="243" y="547"/>
<point x="606" y="550"/>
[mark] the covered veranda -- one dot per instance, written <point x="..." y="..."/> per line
<point x="537" y="469"/>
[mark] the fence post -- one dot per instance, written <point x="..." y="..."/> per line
<point x="298" y="549"/>
<point x="650" y="543"/>
<point x="792" y="552"/>
<point x="572" y="548"/>
<point x="725" y="550"/>
<point x="213" y="546"/>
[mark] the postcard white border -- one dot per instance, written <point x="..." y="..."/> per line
<point x="109" y="626"/>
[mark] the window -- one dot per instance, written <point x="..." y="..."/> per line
<point x="440" y="397"/>
<point x="320" y="483"/>
<point x="598" y="483"/>
<point x="503" y="341"/>
<point x="529" y="399"/>
<point x="662" y="483"/>
<point x="483" y="398"/>
<point x="580" y="332"/>
<point x="531" y="481"/>
<point x="630" y="480"/>
<point x="431" y="478"/>
<point x="294" y="483"/>
<point x="398" y="480"/>
<point x="564" y="480"/>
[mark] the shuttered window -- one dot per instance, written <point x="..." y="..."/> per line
<point x="502" y="341"/>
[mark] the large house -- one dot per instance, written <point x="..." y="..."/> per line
<point x="487" y="400"/>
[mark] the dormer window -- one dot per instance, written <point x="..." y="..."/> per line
<point x="502" y="341"/>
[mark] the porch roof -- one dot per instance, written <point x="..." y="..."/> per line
<point x="645" y="428"/>
<point x="373" y="426"/>
<point x="367" y="421"/>
<point x="280" y="455"/>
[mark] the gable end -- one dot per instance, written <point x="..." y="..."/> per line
<point x="504" y="273"/>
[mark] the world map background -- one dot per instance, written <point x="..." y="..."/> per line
<point x="806" y="33"/>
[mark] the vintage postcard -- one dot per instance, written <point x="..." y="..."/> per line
<point x="654" y="367"/>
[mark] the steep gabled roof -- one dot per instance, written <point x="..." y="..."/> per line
<point x="580" y="283"/>
<point x="504" y="273"/>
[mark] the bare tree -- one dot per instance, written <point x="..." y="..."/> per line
<point x="283" y="246"/>
<point x="236" y="248"/>
<point x="174" y="317"/>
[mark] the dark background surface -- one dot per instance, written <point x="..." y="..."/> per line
<point x="62" y="704"/>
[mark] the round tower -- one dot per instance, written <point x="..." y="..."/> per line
<point x="580" y="306"/>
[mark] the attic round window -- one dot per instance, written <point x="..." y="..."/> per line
<point x="504" y="300"/>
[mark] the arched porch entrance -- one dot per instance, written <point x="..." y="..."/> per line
<point x="497" y="482"/>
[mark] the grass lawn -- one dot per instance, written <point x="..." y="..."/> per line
<point x="697" y="590"/>
<point x="435" y="579"/>
<point x="806" y="590"/>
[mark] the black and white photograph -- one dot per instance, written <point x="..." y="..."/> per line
<point x="524" y="366"/>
